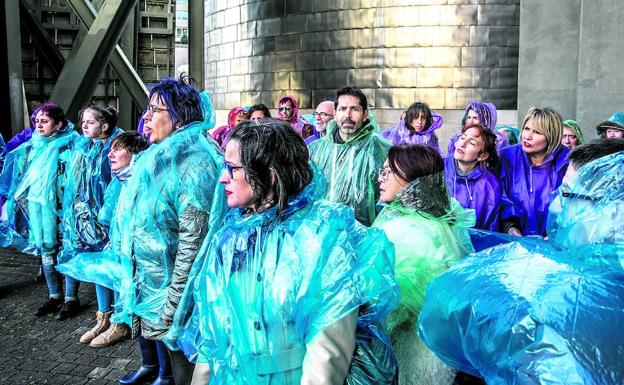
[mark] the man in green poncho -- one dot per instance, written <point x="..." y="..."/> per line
<point x="351" y="155"/>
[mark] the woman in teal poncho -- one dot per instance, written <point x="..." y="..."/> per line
<point x="430" y="231"/>
<point x="39" y="177"/>
<point x="290" y="277"/>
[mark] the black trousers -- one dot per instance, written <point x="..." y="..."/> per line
<point x="182" y="368"/>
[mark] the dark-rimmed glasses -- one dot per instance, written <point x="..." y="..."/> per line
<point x="230" y="168"/>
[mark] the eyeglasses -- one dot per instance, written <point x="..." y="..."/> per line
<point x="284" y="109"/>
<point x="154" y="109"/>
<point x="230" y="169"/>
<point x="322" y="114"/>
<point x="567" y="194"/>
<point x="385" y="172"/>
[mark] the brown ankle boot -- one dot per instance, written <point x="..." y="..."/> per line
<point x="102" y="323"/>
<point x="115" y="333"/>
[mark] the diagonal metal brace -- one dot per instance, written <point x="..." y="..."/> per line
<point x="78" y="80"/>
<point x="40" y="37"/>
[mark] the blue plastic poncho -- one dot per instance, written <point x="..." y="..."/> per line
<point x="2" y="152"/>
<point x="35" y="172"/>
<point x="88" y="176"/>
<point x="352" y="168"/>
<point x="478" y="190"/>
<point x="537" y="312"/>
<point x="429" y="235"/>
<point x="527" y="189"/>
<point x="272" y="282"/>
<point x="169" y="203"/>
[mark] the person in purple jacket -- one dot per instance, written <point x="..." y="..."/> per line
<point x="418" y="127"/>
<point x="530" y="171"/>
<point x="485" y="115"/>
<point x="470" y="175"/>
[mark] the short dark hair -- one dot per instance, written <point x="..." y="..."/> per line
<point x="411" y="162"/>
<point x="585" y="153"/>
<point x="130" y="141"/>
<point x="182" y="100"/>
<point x="259" y="107"/>
<point x="108" y="115"/>
<point x="414" y="112"/>
<point x="489" y="137"/>
<point x="54" y="112"/>
<point x="352" y="91"/>
<point x="270" y="148"/>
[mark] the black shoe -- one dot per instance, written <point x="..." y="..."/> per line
<point x="52" y="305"/>
<point x="68" y="310"/>
<point x="144" y="374"/>
<point x="164" y="381"/>
<point x="39" y="277"/>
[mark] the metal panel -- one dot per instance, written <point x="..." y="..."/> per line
<point x="14" y="65"/>
<point x="196" y="42"/>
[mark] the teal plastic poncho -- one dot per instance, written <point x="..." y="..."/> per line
<point x="542" y="312"/>
<point x="88" y="176"/>
<point x="272" y="282"/>
<point x="36" y="185"/>
<point x="352" y="168"/>
<point x="171" y="200"/>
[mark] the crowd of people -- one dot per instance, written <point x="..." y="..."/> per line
<point x="323" y="249"/>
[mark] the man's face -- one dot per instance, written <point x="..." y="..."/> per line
<point x="286" y="110"/>
<point x="323" y="114"/>
<point x="350" y="115"/>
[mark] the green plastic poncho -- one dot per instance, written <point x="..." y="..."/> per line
<point x="169" y="203"/>
<point x="352" y="168"/>
<point x="429" y="230"/>
<point x="88" y="176"/>
<point x="272" y="282"/>
<point x="574" y="126"/>
<point x="36" y="187"/>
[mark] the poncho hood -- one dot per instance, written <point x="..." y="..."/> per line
<point x="295" y="106"/>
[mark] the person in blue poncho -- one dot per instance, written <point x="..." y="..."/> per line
<point x="292" y="287"/>
<point x="38" y="178"/>
<point x="530" y="171"/>
<point x="88" y="175"/>
<point x="168" y="206"/>
<point x="541" y="312"/>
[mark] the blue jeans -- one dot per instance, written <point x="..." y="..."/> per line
<point x="106" y="298"/>
<point x="53" y="279"/>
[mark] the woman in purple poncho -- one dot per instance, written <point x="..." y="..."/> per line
<point x="470" y="175"/>
<point x="530" y="171"/>
<point x="485" y="115"/>
<point x="418" y="127"/>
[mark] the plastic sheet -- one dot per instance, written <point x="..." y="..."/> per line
<point x="88" y="176"/>
<point x="33" y="180"/>
<point x="2" y="152"/>
<point x="271" y="284"/>
<point x="352" y="168"/>
<point x="400" y="134"/>
<point x="538" y="312"/>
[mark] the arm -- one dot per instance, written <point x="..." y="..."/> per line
<point x="193" y="226"/>
<point x="328" y="355"/>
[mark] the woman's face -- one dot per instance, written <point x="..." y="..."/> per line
<point x="569" y="138"/>
<point x="419" y="122"/>
<point x="614" y="133"/>
<point x="119" y="158"/>
<point x="389" y="183"/>
<point x="470" y="147"/>
<point x="158" y="124"/>
<point x="45" y="125"/>
<point x="238" y="190"/>
<point x="257" y="114"/>
<point x="91" y="128"/>
<point x="533" y="143"/>
<point x="471" y="119"/>
<point x="239" y="118"/>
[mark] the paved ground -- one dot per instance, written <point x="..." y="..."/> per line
<point x="46" y="351"/>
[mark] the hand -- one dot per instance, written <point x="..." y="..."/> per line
<point x="167" y="323"/>
<point x="514" y="231"/>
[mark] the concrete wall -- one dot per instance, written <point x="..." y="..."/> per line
<point x="571" y="54"/>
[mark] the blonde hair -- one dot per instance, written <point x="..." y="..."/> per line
<point x="548" y="122"/>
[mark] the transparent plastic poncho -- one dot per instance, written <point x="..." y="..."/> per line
<point x="272" y="282"/>
<point x="429" y="231"/>
<point x="34" y="177"/>
<point x="352" y="168"/>
<point x="542" y="312"/>
<point x="2" y="152"/>
<point x="88" y="176"/>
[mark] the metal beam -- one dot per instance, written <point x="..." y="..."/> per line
<point x="46" y="47"/>
<point x="78" y="79"/>
<point x="196" y="41"/>
<point x="122" y="66"/>
<point x="14" y="65"/>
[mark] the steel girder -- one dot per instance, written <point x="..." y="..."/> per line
<point x="14" y="65"/>
<point x="196" y="41"/>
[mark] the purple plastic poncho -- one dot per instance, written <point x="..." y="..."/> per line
<point x="527" y="189"/>
<point x="487" y="118"/>
<point x="400" y="134"/>
<point x="222" y="134"/>
<point x="297" y="122"/>
<point x="18" y="139"/>
<point x="479" y="190"/>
